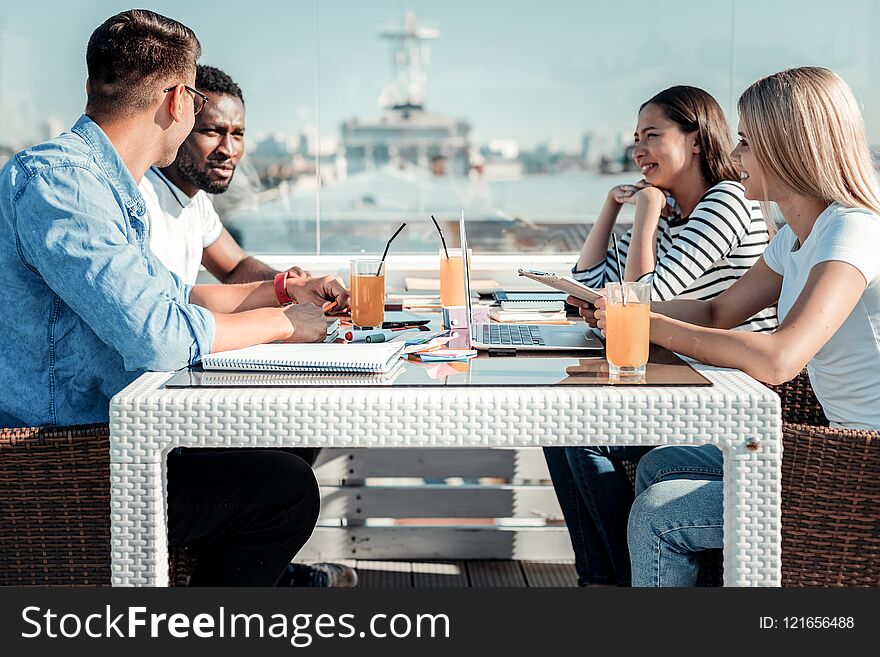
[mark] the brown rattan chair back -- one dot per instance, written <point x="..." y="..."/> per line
<point x="55" y="506"/>
<point x="830" y="496"/>
<point x="799" y="403"/>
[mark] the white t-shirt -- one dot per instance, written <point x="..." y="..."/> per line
<point x="845" y="374"/>
<point x="179" y="227"/>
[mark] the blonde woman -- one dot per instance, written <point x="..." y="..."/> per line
<point x="803" y="146"/>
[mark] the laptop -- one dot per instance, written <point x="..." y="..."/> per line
<point x="521" y="337"/>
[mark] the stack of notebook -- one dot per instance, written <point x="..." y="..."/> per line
<point x="527" y="316"/>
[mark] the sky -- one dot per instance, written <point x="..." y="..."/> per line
<point x="534" y="72"/>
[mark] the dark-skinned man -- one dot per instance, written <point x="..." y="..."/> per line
<point x="185" y="231"/>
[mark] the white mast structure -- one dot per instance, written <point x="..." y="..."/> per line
<point x="409" y="54"/>
<point x="406" y="134"/>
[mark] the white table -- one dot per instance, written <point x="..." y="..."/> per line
<point x="737" y="414"/>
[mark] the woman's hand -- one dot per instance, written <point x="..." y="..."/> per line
<point x="621" y="194"/>
<point x="640" y="192"/>
<point x="585" y="309"/>
<point x="651" y="197"/>
<point x="599" y="314"/>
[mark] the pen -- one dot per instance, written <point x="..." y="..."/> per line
<point x="328" y="306"/>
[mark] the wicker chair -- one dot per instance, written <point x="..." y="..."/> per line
<point x="830" y="496"/>
<point x="55" y="506"/>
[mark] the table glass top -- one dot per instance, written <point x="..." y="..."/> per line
<point x="535" y="369"/>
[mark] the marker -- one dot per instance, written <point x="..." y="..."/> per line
<point x="380" y="335"/>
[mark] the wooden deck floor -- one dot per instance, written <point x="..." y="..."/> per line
<point x="476" y="574"/>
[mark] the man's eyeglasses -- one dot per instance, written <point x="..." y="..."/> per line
<point x="199" y="99"/>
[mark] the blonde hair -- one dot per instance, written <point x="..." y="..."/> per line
<point x="805" y="128"/>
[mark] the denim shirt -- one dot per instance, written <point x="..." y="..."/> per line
<point x="86" y="306"/>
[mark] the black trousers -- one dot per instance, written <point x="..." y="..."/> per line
<point x="245" y="512"/>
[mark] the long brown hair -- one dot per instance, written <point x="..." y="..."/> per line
<point x="694" y="110"/>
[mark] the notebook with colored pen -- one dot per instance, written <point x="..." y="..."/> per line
<point x="277" y="357"/>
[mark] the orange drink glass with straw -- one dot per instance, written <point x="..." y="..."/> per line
<point x="367" y="293"/>
<point x="627" y="328"/>
<point x="452" y="278"/>
<point x="368" y="289"/>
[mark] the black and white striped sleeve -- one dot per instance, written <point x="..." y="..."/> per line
<point x="713" y="230"/>
<point x="604" y="272"/>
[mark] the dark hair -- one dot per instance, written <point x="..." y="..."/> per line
<point x="131" y="55"/>
<point x="694" y="110"/>
<point x="213" y="80"/>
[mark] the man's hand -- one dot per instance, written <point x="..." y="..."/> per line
<point x="319" y="291"/>
<point x="585" y="308"/>
<point x="299" y="272"/>
<point x="307" y="323"/>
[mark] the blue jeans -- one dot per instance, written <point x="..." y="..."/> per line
<point x="595" y="497"/>
<point x="677" y="514"/>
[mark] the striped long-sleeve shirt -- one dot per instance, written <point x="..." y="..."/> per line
<point x="700" y="256"/>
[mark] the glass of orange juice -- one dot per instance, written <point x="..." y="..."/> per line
<point x="452" y="278"/>
<point x="367" y="293"/>
<point x="627" y="328"/>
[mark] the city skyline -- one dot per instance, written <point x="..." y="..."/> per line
<point x="580" y="68"/>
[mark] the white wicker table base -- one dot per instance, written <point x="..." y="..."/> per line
<point x="737" y="414"/>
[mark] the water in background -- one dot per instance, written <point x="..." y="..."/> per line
<point x="547" y="213"/>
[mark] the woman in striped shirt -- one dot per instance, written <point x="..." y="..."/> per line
<point x="692" y="247"/>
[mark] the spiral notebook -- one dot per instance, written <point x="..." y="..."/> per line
<point x="366" y="357"/>
<point x="199" y="378"/>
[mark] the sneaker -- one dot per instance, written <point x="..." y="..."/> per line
<point x="320" y="575"/>
<point x="333" y="575"/>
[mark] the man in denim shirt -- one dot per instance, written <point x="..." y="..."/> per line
<point x="88" y="307"/>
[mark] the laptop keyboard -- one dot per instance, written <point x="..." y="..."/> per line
<point x="512" y="334"/>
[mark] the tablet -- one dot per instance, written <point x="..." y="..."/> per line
<point x="563" y="283"/>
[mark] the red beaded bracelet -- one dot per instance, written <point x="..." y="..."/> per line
<point x="281" y="288"/>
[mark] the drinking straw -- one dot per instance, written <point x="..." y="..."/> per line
<point x="619" y="268"/>
<point x="388" y="246"/>
<point x="442" y="239"/>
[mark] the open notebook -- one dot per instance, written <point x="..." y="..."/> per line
<point x="366" y="357"/>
